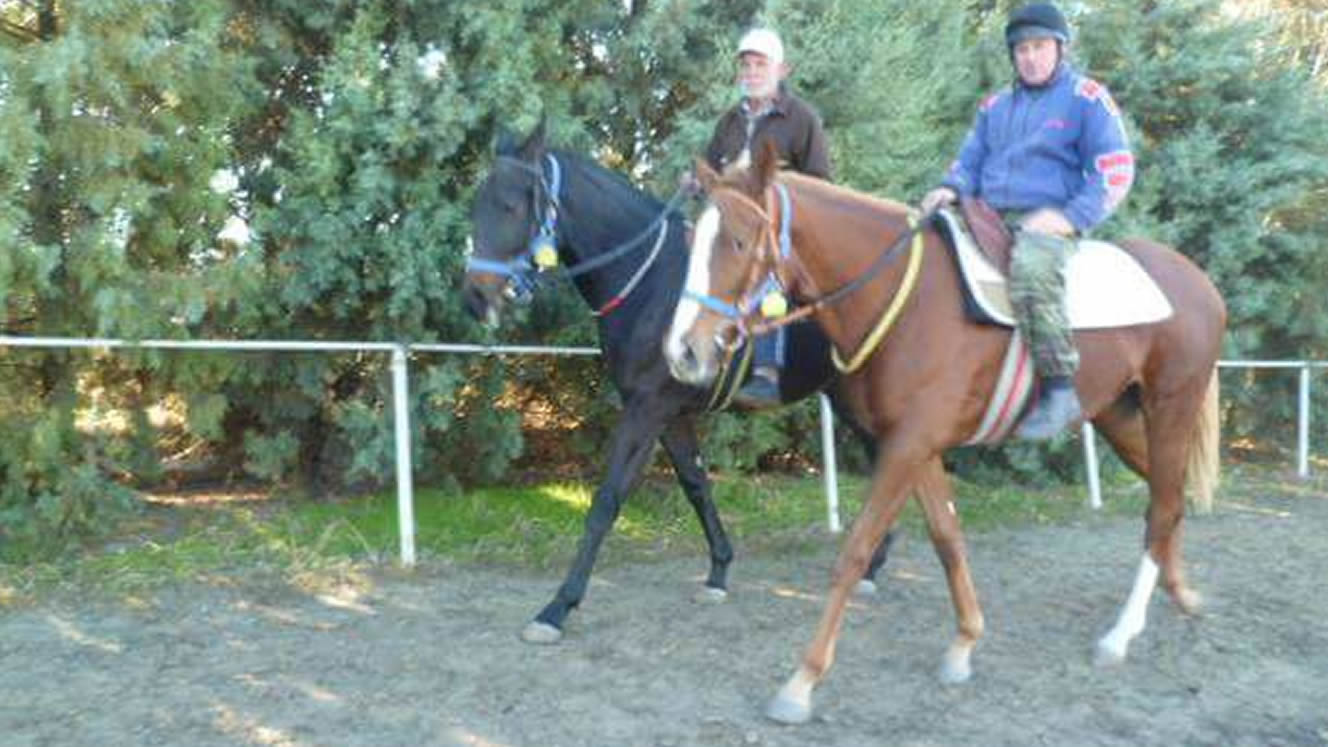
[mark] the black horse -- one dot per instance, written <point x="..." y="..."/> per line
<point x="626" y="252"/>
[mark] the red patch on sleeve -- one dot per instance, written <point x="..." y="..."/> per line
<point x="1116" y="160"/>
<point x="1094" y="91"/>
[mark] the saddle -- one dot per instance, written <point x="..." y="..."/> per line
<point x="987" y="228"/>
<point x="1105" y="286"/>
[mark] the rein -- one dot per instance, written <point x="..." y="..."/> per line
<point x="887" y="319"/>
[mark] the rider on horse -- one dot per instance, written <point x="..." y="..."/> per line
<point x="1051" y="155"/>
<point x="768" y="111"/>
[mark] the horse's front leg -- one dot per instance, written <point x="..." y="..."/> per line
<point x="867" y="584"/>
<point x="633" y="438"/>
<point x="680" y="443"/>
<point x="895" y="471"/>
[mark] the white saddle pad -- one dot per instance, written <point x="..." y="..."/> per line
<point x="1104" y="285"/>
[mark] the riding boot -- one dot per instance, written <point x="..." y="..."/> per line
<point x="761" y="390"/>
<point x="1057" y="407"/>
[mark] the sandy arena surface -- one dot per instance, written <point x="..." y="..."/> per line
<point x="433" y="657"/>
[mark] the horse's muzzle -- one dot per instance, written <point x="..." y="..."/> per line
<point x="482" y="302"/>
<point x="685" y="364"/>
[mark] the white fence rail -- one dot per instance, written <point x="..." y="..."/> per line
<point x="400" y="379"/>
<point x="401" y="410"/>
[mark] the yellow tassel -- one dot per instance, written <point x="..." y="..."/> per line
<point x="546" y="256"/>
<point x="774" y="305"/>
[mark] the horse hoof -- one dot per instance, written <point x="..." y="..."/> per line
<point x="541" y="633"/>
<point x="1109" y="654"/>
<point x="1189" y="601"/>
<point x="788" y="711"/>
<point x="865" y="588"/>
<point x="954" y="672"/>
<point x="710" y="595"/>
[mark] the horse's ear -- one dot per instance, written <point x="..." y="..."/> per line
<point x="534" y="145"/>
<point x="705" y="175"/>
<point x="767" y="163"/>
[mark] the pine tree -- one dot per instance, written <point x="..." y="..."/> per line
<point x="116" y="118"/>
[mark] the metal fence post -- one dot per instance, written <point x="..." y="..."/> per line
<point x="1090" y="461"/>
<point x="829" y="468"/>
<point x="1303" y="424"/>
<point x="405" y="487"/>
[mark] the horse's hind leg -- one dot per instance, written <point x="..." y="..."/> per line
<point x="1122" y="425"/>
<point x="936" y="495"/>
<point x="632" y="442"/>
<point x="680" y="443"/>
<point x="867" y="584"/>
<point x="1170" y="435"/>
<point x="1170" y="424"/>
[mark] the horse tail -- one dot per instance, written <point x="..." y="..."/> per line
<point x="1201" y="469"/>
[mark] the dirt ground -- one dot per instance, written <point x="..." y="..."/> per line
<point x="433" y="658"/>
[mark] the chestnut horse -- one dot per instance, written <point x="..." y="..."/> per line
<point x="924" y="377"/>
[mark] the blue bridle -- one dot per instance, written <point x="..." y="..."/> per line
<point x="745" y="306"/>
<point x="520" y="270"/>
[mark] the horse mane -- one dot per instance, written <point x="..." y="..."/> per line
<point x="606" y="180"/>
<point x="828" y="189"/>
<point x="747" y="181"/>
<point x="611" y="181"/>
<point x="611" y="185"/>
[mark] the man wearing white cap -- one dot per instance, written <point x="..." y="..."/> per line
<point x="768" y="110"/>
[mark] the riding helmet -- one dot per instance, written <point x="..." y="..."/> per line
<point x="1036" y="20"/>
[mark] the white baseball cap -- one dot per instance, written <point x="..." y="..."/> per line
<point x="763" y="42"/>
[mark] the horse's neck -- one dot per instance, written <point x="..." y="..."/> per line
<point x="596" y="222"/>
<point x="836" y="242"/>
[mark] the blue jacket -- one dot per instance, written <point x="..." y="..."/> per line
<point x="1059" y="145"/>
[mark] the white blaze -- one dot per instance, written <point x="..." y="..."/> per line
<point x="697" y="282"/>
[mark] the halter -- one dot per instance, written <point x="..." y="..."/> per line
<point x="522" y="269"/>
<point x="738" y="312"/>
<point x="760" y="286"/>
<point x="519" y="270"/>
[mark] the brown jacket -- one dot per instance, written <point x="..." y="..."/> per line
<point x="792" y="124"/>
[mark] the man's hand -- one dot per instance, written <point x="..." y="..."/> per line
<point x="1048" y="220"/>
<point x="938" y="197"/>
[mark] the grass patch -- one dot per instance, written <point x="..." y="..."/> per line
<point x="534" y="528"/>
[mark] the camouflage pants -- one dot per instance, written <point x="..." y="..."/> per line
<point x="1037" y="294"/>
